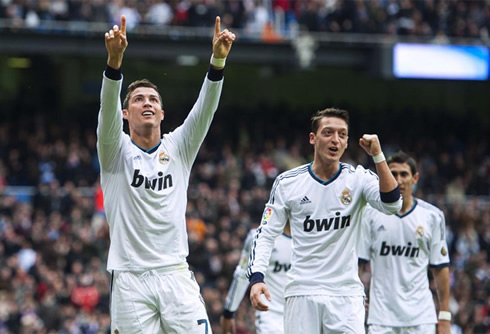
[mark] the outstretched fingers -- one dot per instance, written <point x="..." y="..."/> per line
<point x="123" y="25"/>
<point x="217" y="27"/>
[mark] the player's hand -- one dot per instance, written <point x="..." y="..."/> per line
<point x="222" y="40"/>
<point x="444" y="327"/>
<point x="370" y="144"/>
<point x="115" y="43"/>
<point x="257" y="290"/>
<point x="227" y="325"/>
<point x="366" y="304"/>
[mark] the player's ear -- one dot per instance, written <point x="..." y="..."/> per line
<point x="125" y="113"/>
<point x="312" y="138"/>
<point x="415" y="178"/>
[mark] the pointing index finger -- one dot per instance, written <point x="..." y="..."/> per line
<point x="123" y="24"/>
<point x="217" y="26"/>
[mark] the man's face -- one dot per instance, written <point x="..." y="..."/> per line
<point x="330" y="140"/>
<point x="144" y="108"/>
<point x="404" y="177"/>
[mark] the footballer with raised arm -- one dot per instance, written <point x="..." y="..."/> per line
<point x="144" y="178"/>
<point x="323" y="201"/>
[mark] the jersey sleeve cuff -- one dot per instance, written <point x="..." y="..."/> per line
<point x="112" y="73"/>
<point x="439" y="266"/>
<point x="391" y="196"/>
<point x="214" y="74"/>
<point x="362" y="261"/>
<point x="256" y="278"/>
<point x="228" y="314"/>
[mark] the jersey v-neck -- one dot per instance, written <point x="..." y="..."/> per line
<point x="409" y="211"/>
<point x="149" y="151"/>
<point x="330" y="180"/>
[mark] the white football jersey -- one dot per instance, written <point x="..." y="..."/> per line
<point x="325" y="227"/>
<point x="275" y="277"/>
<point x="145" y="192"/>
<point x="400" y="249"/>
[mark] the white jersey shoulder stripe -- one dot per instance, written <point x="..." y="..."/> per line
<point x="428" y="206"/>
<point x="288" y="174"/>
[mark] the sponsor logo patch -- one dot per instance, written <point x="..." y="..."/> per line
<point x="267" y="214"/>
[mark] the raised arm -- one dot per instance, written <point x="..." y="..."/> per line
<point x="109" y="129"/>
<point x="222" y="41"/>
<point x="116" y="43"/>
<point x="372" y="146"/>
<point x="190" y="135"/>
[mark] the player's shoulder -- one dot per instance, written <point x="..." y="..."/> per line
<point x="296" y="172"/>
<point x="357" y="171"/>
<point x="348" y="168"/>
<point x="428" y="207"/>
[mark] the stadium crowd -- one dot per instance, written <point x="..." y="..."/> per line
<point x="54" y="241"/>
<point x="427" y="18"/>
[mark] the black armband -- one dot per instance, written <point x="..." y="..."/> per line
<point x="112" y="73"/>
<point x="214" y="74"/>
<point x="390" y="196"/>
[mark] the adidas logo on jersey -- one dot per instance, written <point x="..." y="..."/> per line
<point x="159" y="183"/>
<point x="396" y="250"/>
<point x="325" y="224"/>
<point x="381" y="228"/>
<point x="305" y="200"/>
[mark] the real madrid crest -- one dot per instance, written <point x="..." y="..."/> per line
<point x="163" y="158"/>
<point x="443" y="251"/>
<point x="419" y="232"/>
<point x="346" y="197"/>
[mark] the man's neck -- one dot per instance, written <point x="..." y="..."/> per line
<point x="323" y="170"/>
<point x="407" y="204"/>
<point x="146" y="142"/>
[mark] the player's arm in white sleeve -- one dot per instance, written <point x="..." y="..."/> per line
<point x="439" y="264"/>
<point x="110" y="124"/>
<point x="273" y="222"/>
<point x="190" y="135"/>
<point x="384" y="195"/>
<point x="238" y="287"/>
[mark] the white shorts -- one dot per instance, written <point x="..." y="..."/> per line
<point x="324" y="314"/>
<point x="155" y="302"/>
<point x="419" y="329"/>
<point x="269" y="322"/>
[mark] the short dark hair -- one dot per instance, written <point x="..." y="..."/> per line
<point x="137" y="84"/>
<point x="401" y="157"/>
<point x="329" y="112"/>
